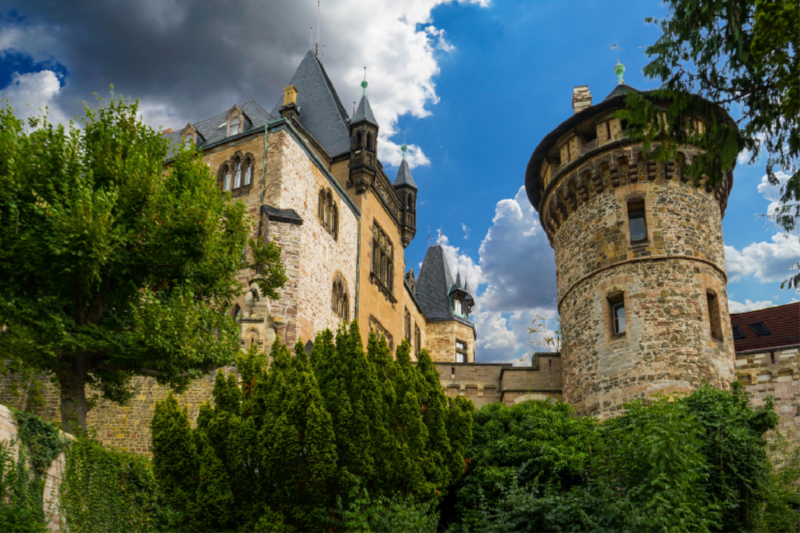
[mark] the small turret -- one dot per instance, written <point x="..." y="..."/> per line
<point x="363" y="143"/>
<point x="407" y="191"/>
<point x="462" y="300"/>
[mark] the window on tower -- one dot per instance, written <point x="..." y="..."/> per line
<point x="714" y="322"/>
<point x="461" y="352"/>
<point x="382" y="260"/>
<point x="636" y="220"/>
<point x="616" y="303"/>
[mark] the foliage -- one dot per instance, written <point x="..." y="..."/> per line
<point x="338" y="437"/>
<point x="107" y="490"/>
<point x="21" y="507"/>
<point x="42" y="441"/>
<point x="693" y="463"/>
<point x="382" y="514"/>
<point x="112" y="266"/>
<point x="547" y="329"/>
<point x="731" y="52"/>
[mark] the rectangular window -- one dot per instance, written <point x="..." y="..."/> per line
<point x="417" y="340"/>
<point x="382" y="258"/>
<point x="407" y="326"/>
<point x="461" y="352"/>
<point x="380" y="331"/>
<point x="714" y="322"/>
<point x="636" y="220"/>
<point x="616" y="304"/>
<point x="760" y="329"/>
<point x="737" y="333"/>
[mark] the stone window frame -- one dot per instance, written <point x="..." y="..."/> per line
<point x="340" y="299"/>
<point x="714" y="316"/>
<point x="417" y="339"/>
<point x="253" y="337"/>
<point x="229" y="167"/>
<point x="463" y="352"/>
<point x="376" y="327"/>
<point x="382" y="264"/>
<point x="638" y="200"/>
<point x="407" y="324"/>
<point x="235" y="117"/>
<point x="328" y="212"/>
<point x="612" y="297"/>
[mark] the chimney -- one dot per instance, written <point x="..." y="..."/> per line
<point x="289" y="109"/>
<point x="581" y="98"/>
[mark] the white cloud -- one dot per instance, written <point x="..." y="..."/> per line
<point x="36" y="41"/>
<point x="773" y="192"/>
<point x="767" y="261"/>
<point x="504" y="337"/>
<point x="460" y="262"/>
<point x="466" y="230"/>
<point x="748" y="305"/>
<point x="29" y="94"/>
<point x="745" y="155"/>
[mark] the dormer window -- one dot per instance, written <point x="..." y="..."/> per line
<point x="234" y="127"/>
<point x="457" y="307"/>
<point x="187" y="142"/>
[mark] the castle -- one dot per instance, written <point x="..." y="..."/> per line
<point x="638" y="246"/>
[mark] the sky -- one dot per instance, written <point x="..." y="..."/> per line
<point x="474" y="84"/>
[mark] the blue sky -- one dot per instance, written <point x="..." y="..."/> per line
<point x="475" y="85"/>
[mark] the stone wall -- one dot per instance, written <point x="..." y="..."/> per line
<point x="441" y="340"/>
<point x="417" y="320"/>
<point x="9" y="435"/>
<point x="667" y="345"/>
<point x="774" y="373"/>
<point x="486" y="383"/>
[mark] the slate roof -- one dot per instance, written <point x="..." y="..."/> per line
<point x="215" y="129"/>
<point x="404" y="176"/>
<point x="783" y="323"/>
<point x="288" y="216"/>
<point x="619" y="90"/>
<point x="433" y="285"/>
<point x="321" y="111"/>
<point x="364" y="112"/>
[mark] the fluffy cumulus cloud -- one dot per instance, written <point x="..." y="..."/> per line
<point x="768" y="262"/>
<point x="33" y="93"/>
<point x="515" y="280"/>
<point x="186" y="61"/>
<point x="748" y="305"/>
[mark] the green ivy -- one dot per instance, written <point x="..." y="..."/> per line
<point x="21" y="507"/>
<point x="107" y="490"/>
<point x="43" y="441"/>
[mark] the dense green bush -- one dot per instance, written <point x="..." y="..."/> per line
<point x="21" y="507"/>
<point x="108" y="490"/>
<point x="300" y="445"/>
<point x="697" y="463"/>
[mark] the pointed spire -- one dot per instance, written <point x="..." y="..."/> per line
<point x="404" y="172"/>
<point x="466" y="284"/>
<point x="458" y="279"/>
<point x="619" y="70"/>
<point x="364" y="83"/>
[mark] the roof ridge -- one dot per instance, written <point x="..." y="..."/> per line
<point x="332" y="90"/>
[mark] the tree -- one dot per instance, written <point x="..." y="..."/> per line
<point x="112" y="266"/>
<point x="334" y="440"/>
<point x="729" y="52"/>
<point x="547" y="329"/>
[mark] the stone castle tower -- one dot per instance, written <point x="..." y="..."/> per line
<point x="639" y="260"/>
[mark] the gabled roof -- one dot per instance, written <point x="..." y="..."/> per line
<point x="404" y="176"/>
<point x="782" y="322"/>
<point x="364" y="112"/>
<point x="433" y="287"/>
<point x="620" y="90"/>
<point x="321" y="111"/>
<point x="215" y="129"/>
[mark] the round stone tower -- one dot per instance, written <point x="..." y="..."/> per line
<point x="639" y="259"/>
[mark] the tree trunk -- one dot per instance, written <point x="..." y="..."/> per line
<point x="72" y="381"/>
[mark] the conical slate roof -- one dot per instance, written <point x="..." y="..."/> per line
<point x="364" y="112"/>
<point x="433" y="287"/>
<point x="321" y="111"/>
<point x="619" y="90"/>
<point x="404" y="176"/>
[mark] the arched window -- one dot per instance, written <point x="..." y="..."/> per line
<point x="227" y="178"/>
<point x="321" y="206"/>
<point x="329" y="211"/>
<point x="237" y="313"/>
<point x="358" y="139"/>
<point x="339" y="300"/>
<point x="369" y="141"/>
<point x="238" y="181"/>
<point x="234" y="126"/>
<point x="248" y="173"/>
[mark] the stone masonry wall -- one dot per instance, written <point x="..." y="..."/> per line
<point x="321" y="256"/>
<point x="666" y="347"/>
<point x="774" y="373"/>
<point x="441" y="340"/>
<point x="418" y="320"/>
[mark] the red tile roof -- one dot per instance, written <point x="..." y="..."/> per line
<point x="783" y="323"/>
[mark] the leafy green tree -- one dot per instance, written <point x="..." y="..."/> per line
<point x="335" y="439"/>
<point x="728" y="52"/>
<point x="112" y="266"/>
<point x="694" y="463"/>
